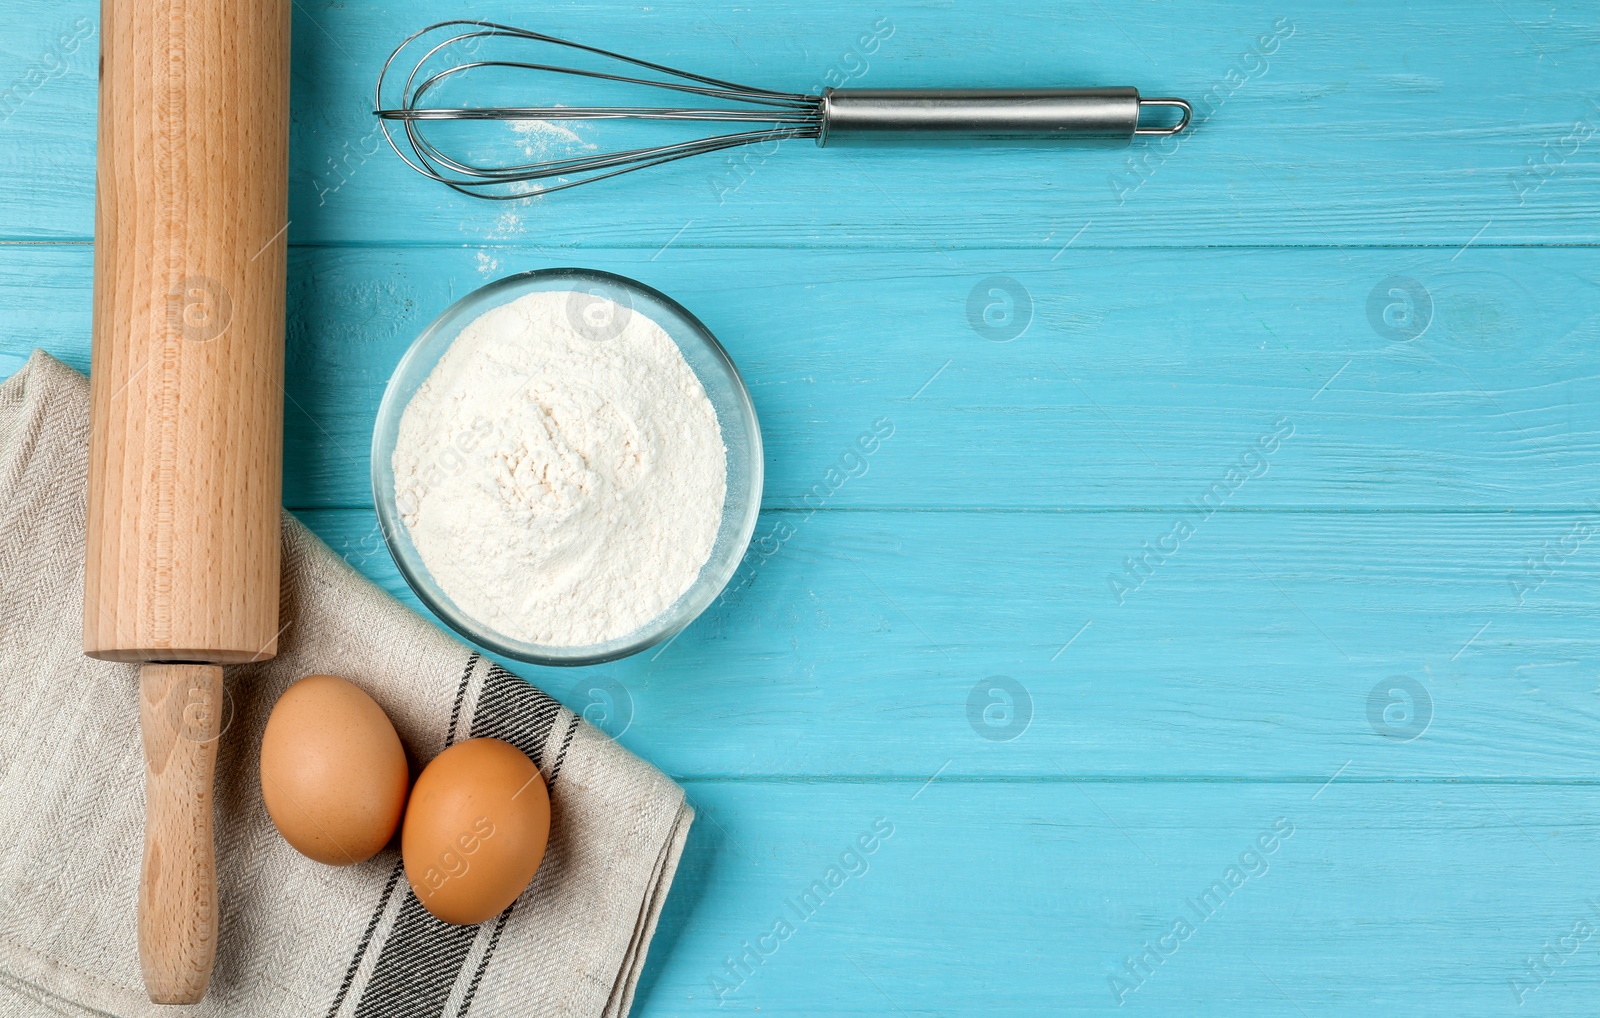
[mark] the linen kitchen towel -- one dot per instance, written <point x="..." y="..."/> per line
<point x="297" y="938"/>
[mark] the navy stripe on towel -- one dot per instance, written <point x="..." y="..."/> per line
<point x="511" y="710"/>
<point x="418" y="966"/>
<point x="421" y="959"/>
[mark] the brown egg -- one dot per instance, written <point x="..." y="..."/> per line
<point x="333" y="772"/>
<point x="475" y="830"/>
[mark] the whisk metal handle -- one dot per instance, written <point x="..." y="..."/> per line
<point x="939" y="115"/>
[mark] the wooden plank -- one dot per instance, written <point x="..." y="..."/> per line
<point x="1143" y="377"/>
<point x="1269" y="644"/>
<point x="1423" y="123"/>
<point x="1027" y="899"/>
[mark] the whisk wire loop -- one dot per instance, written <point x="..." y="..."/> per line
<point x="788" y="114"/>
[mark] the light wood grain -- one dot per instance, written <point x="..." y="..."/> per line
<point x="186" y="421"/>
<point x="186" y="425"/>
<point x="180" y="709"/>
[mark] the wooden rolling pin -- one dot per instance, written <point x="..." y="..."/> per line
<point x="186" y="432"/>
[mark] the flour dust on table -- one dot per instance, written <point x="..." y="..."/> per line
<point x="561" y="471"/>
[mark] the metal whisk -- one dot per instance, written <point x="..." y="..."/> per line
<point x="836" y="116"/>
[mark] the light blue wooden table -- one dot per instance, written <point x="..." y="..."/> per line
<point x="1224" y="643"/>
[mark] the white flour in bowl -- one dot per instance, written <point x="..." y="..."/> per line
<point x="561" y="470"/>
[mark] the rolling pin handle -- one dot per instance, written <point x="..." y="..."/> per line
<point x="179" y="723"/>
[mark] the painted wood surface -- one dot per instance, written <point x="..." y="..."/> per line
<point x="1141" y="379"/>
<point x="1074" y="630"/>
<point x="1255" y="651"/>
<point x="1028" y="898"/>
<point x="1369" y="122"/>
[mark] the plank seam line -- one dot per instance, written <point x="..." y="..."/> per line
<point x="1057" y="779"/>
<point x="1540" y="512"/>
<point x="856" y="248"/>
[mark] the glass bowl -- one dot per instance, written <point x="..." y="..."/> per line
<point x="741" y="434"/>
